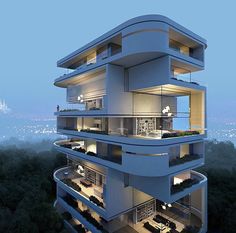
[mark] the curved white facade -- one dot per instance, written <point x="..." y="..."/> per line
<point x="136" y="123"/>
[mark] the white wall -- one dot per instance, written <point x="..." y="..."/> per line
<point x="157" y="187"/>
<point x="144" y="103"/>
<point x="91" y="88"/>
<point x="120" y="198"/>
<point x="118" y="101"/>
<point x="149" y="74"/>
<point x="145" y="37"/>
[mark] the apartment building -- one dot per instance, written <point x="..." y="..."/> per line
<point x="134" y="123"/>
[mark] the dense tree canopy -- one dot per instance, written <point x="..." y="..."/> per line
<point x="220" y="168"/>
<point x="27" y="191"/>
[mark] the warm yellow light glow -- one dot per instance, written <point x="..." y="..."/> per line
<point x="163" y="207"/>
<point x="177" y="180"/>
<point x="92" y="148"/>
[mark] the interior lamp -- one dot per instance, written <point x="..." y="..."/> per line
<point x="163" y="207"/>
<point x="80" y="98"/>
<point x="81" y="169"/>
<point x="166" y="110"/>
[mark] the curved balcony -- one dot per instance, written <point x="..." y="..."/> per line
<point x="194" y="182"/>
<point x="78" y="214"/>
<point x="77" y="150"/>
<point x="156" y="164"/>
<point x="132" y="139"/>
<point x="151" y="164"/>
<point x="73" y="183"/>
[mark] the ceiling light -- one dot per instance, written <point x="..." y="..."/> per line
<point x="163" y="207"/>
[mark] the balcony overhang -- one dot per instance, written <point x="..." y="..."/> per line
<point x="77" y="77"/>
<point x="180" y="89"/>
<point x="66" y="61"/>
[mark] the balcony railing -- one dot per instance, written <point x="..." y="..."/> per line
<point x="195" y="178"/>
<point x="183" y="185"/>
<point x="186" y="79"/>
<point x="71" y="107"/>
<point x="196" y="53"/>
<point x="76" y="147"/>
<point x="186" y="158"/>
<point x="157" y="134"/>
<point x="72" y="179"/>
<point x="84" y="214"/>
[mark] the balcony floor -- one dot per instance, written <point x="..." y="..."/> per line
<point x="89" y="191"/>
<point x="85" y="191"/>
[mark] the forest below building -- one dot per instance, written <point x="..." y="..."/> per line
<point x="27" y="189"/>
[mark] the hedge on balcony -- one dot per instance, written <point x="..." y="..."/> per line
<point x="183" y="185"/>
<point x="70" y="128"/>
<point x="184" y="159"/>
<point x="94" y="108"/>
<point x="180" y="134"/>
<point x="72" y="184"/>
<point x="81" y="150"/>
<point x="66" y="146"/>
<point x="190" y="229"/>
<point x="96" y="201"/>
<point x="91" y="153"/>
<point x="91" y="219"/>
<point x="79" y="228"/>
<point x="70" y="201"/>
<point x="93" y="131"/>
<point x="69" y="110"/>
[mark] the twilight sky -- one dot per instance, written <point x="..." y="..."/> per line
<point x="35" y="34"/>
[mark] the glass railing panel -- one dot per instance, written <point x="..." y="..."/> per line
<point x="145" y="127"/>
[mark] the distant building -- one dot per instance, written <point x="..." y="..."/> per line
<point x="136" y="129"/>
<point x="3" y="107"/>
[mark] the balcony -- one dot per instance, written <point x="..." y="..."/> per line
<point x="95" y="56"/>
<point x="82" y="107"/>
<point x="72" y="224"/>
<point x="186" y="182"/>
<point x="123" y="127"/>
<point x="182" y="74"/>
<point x="74" y="182"/>
<point x="137" y="163"/>
<point x="186" y="46"/>
<point x="185" y="159"/>
<point x="92" y="150"/>
<point x="122" y="132"/>
<point x="160" y="216"/>
<point x="71" y="205"/>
